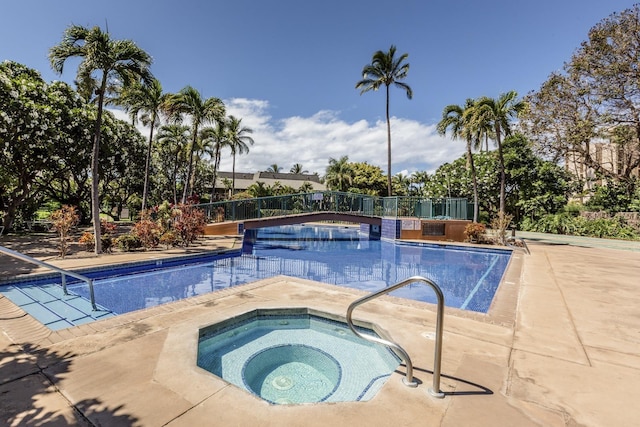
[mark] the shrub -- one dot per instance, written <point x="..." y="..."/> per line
<point x="87" y="241"/>
<point x="474" y="232"/>
<point x="500" y="225"/>
<point x="169" y="238"/>
<point x="63" y="220"/>
<point x="128" y="242"/>
<point x="147" y="231"/>
<point x="188" y="222"/>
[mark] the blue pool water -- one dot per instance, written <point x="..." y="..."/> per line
<point x="285" y="356"/>
<point x="468" y="277"/>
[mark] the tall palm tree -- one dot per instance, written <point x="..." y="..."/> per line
<point x="145" y="102"/>
<point x="274" y="168"/>
<point x="339" y="174"/>
<point x="459" y="120"/>
<point x="239" y="141"/>
<point x="175" y="138"/>
<point x="498" y="113"/>
<point x="201" y="112"/>
<point x="386" y="70"/>
<point x="214" y="139"/>
<point x="104" y="61"/>
<point x="298" y="169"/>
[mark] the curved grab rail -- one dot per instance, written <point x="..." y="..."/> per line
<point x="437" y="358"/>
<point x="62" y="271"/>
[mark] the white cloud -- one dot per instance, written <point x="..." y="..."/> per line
<point x="311" y="141"/>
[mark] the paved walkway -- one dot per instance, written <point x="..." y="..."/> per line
<point x="558" y="348"/>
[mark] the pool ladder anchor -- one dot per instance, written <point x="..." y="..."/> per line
<point x="408" y="380"/>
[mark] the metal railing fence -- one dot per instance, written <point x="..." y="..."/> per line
<point x="335" y="201"/>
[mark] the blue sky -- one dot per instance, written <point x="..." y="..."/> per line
<point x="288" y="67"/>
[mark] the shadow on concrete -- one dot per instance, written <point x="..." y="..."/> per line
<point x="474" y="390"/>
<point x="30" y="397"/>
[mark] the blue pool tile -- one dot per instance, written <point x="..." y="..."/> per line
<point x="64" y="310"/>
<point x="16" y="295"/>
<point x="41" y="313"/>
<point x="39" y="293"/>
<point x="60" y="324"/>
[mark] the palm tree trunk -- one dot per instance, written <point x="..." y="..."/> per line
<point x="474" y="180"/>
<point x="147" y="163"/>
<point x="95" y="178"/>
<point x="216" y="164"/>
<point x="233" y="175"/>
<point x="190" y="168"/>
<point x="389" y="191"/>
<point x="501" y="210"/>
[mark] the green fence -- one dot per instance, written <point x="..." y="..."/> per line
<point x="334" y="201"/>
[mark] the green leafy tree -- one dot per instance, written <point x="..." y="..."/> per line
<point x="367" y="179"/>
<point x="110" y="60"/>
<point x="274" y="168"/>
<point x="593" y="104"/>
<point x="386" y="69"/>
<point x="28" y="136"/>
<point x="201" y="112"/>
<point x="122" y="160"/>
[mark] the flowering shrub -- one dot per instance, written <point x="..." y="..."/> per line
<point x="188" y="222"/>
<point x="87" y="241"/>
<point x="169" y="238"/>
<point x="474" y="232"/>
<point x="63" y="220"/>
<point x="147" y="231"/>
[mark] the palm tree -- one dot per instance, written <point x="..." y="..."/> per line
<point x="201" y="111"/>
<point x="401" y="183"/>
<point x="339" y="174"/>
<point x="274" y="168"/>
<point x="460" y="121"/>
<point x="386" y="70"/>
<point x="214" y="139"/>
<point x="420" y="178"/>
<point x="176" y="139"/>
<point x="298" y="169"/>
<point x="109" y="61"/>
<point x="146" y="102"/>
<point x="239" y="141"/>
<point x="498" y="113"/>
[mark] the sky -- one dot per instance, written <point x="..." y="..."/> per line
<point x="288" y="68"/>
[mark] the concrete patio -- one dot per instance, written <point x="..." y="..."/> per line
<point x="559" y="347"/>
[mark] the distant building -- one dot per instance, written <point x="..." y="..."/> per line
<point x="612" y="157"/>
<point x="244" y="180"/>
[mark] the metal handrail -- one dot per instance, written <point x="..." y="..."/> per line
<point x="437" y="358"/>
<point x="62" y="271"/>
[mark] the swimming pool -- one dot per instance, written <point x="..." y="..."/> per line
<point x="469" y="277"/>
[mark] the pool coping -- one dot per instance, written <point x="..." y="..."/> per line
<point x="548" y="368"/>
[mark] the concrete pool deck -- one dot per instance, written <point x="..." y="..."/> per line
<point x="559" y="347"/>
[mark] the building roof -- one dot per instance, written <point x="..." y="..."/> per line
<point x="244" y="180"/>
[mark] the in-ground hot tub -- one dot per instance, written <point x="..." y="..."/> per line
<point x="297" y="355"/>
